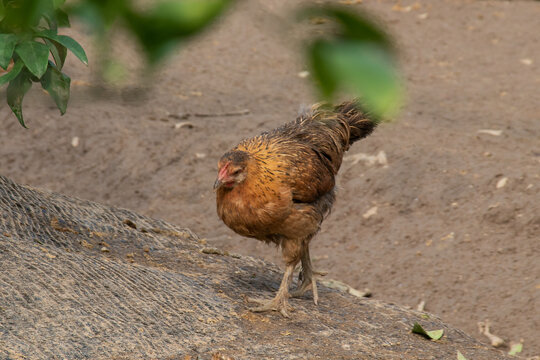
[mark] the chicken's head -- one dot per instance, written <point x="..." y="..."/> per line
<point x="231" y="169"/>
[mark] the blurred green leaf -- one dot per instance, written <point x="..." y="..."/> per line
<point x="354" y="26"/>
<point x="68" y="42"/>
<point x="15" y="92"/>
<point x="22" y="16"/>
<point x="57" y="18"/>
<point x="58" y="3"/>
<point x="460" y="356"/>
<point x="4" y="79"/>
<point x="170" y="22"/>
<point x="99" y="14"/>
<point x="90" y="14"/>
<point x="7" y="45"/>
<point x="361" y="68"/>
<point x="114" y="72"/>
<point x="320" y="69"/>
<point x="2" y="10"/>
<point x="35" y="56"/>
<point x="62" y="18"/>
<point x="434" y="334"/>
<point x="356" y="58"/>
<point x="57" y="85"/>
<point x="186" y="16"/>
<point x="58" y="51"/>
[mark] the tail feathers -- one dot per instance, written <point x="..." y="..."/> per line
<point x="330" y="130"/>
<point x="359" y="122"/>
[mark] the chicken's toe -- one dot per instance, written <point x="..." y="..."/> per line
<point x="276" y="304"/>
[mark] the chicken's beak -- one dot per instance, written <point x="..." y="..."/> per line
<point x="217" y="184"/>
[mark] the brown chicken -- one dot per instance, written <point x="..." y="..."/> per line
<point x="279" y="186"/>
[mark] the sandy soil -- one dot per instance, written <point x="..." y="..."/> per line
<point x="457" y="220"/>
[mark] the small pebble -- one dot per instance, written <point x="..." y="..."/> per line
<point x="501" y="183"/>
<point x="75" y="141"/>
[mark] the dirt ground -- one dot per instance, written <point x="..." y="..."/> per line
<point x="452" y="220"/>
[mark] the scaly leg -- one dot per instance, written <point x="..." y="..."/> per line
<point x="308" y="276"/>
<point x="280" y="302"/>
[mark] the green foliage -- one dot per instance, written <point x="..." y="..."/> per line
<point x="170" y="22"/>
<point x="7" y="46"/>
<point x="57" y="85"/>
<point x="159" y="28"/>
<point x="28" y="35"/>
<point x="357" y="59"/>
<point x="35" y="56"/>
<point x="16" y="90"/>
<point x="29" y="38"/>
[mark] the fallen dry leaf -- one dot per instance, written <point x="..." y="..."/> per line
<point x="371" y="212"/>
<point x="380" y="158"/>
<point x="182" y="124"/>
<point x="501" y="183"/>
<point x="483" y="328"/>
<point x="490" y="132"/>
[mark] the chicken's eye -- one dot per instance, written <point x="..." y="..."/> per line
<point x="236" y="172"/>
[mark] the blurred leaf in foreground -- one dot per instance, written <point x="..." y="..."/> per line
<point x="169" y="22"/>
<point x="359" y="59"/>
<point x="460" y="356"/>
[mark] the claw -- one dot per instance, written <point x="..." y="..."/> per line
<point x="276" y="304"/>
<point x="280" y="301"/>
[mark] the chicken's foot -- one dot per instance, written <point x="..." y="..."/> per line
<point x="308" y="276"/>
<point x="281" y="301"/>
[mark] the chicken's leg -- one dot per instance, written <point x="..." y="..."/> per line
<point x="308" y="277"/>
<point x="280" y="302"/>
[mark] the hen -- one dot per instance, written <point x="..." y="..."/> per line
<point x="279" y="186"/>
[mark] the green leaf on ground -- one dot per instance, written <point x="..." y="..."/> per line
<point x="515" y="349"/>
<point x="4" y="79"/>
<point x="57" y="85"/>
<point x="16" y="90"/>
<point x="460" y="356"/>
<point x="7" y="45"/>
<point x="433" y="334"/>
<point x="35" y="56"/>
